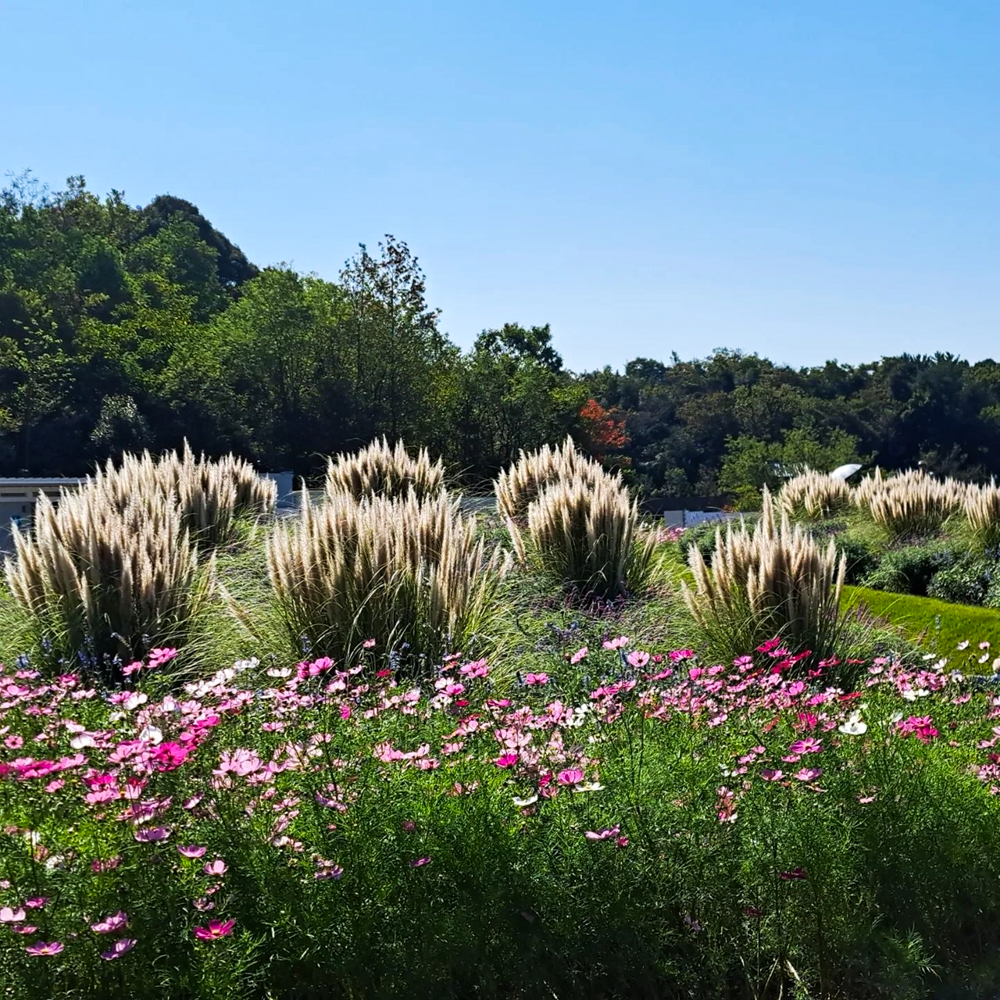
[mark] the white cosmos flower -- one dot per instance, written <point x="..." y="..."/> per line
<point x="84" y="740"/>
<point x="529" y="801"/>
<point x="589" y="786"/>
<point x="854" y="726"/>
<point x="134" y="700"/>
<point x="151" y="735"/>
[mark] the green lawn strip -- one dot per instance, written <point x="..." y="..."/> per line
<point x="937" y="624"/>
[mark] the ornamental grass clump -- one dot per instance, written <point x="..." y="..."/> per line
<point x="586" y="534"/>
<point x="517" y="487"/>
<point x="381" y="471"/>
<point x="813" y="495"/>
<point x="772" y="579"/>
<point x="406" y="571"/>
<point x="982" y="515"/>
<point x="912" y="503"/>
<point x="211" y="496"/>
<point x="104" y="583"/>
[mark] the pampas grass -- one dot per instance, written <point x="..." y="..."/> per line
<point x="911" y="503"/>
<point x="585" y="533"/>
<point x="381" y="471"/>
<point x="210" y="496"/>
<point x="814" y="495"/>
<point x="770" y="580"/>
<point x="405" y="572"/>
<point x="107" y="582"/>
<point x="517" y="487"/>
<point x="982" y="515"/>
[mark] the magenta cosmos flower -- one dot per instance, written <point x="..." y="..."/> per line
<point x="44" y="948"/>
<point x="110" y="924"/>
<point x="119" y="948"/>
<point x="215" y="929"/>
<point x="571" y="776"/>
<point x="420" y="862"/>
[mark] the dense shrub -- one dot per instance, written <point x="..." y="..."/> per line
<point x="966" y="581"/>
<point x="408" y="571"/>
<point x="860" y="557"/>
<point x="909" y="570"/>
<point x="381" y="471"/>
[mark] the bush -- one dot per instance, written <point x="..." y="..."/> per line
<point x="585" y="534"/>
<point x="909" y="570"/>
<point x="771" y="580"/>
<point x="107" y="583"/>
<point x="966" y="581"/>
<point x="381" y="471"/>
<point x="860" y="557"/>
<point x="519" y="486"/>
<point x="409" y="572"/>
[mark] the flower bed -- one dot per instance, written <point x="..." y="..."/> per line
<point x="619" y="825"/>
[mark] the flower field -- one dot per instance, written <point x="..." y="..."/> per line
<point x="617" y="824"/>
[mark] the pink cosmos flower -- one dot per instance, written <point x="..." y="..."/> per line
<point x="579" y="655"/>
<point x="532" y="679"/>
<point x="807" y="745"/>
<point x="605" y="834"/>
<point x="420" y="862"/>
<point x="770" y="774"/>
<point x="368" y="644"/>
<point x="616" y="643"/>
<point x="216" y="867"/>
<point x="36" y="902"/>
<point x="191" y="851"/>
<point x="157" y="657"/>
<point x="637" y="659"/>
<point x="215" y="929"/>
<point x="571" y="776"/>
<point x="150" y="834"/>
<point x="809" y="773"/>
<point x="10" y="916"/>
<point x="110" y="924"/>
<point x="44" y="948"/>
<point x="119" y="948"/>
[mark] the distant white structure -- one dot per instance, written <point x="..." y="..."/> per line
<point x="844" y="472"/>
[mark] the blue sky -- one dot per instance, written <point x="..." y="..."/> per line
<point x="804" y="180"/>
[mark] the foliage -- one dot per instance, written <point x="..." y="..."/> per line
<point x="323" y="831"/>
<point x="909" y="570"/>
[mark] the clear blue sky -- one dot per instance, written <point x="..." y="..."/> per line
<point x="807" y="180"/>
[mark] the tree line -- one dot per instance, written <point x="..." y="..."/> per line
<point x="128" y="327"/>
